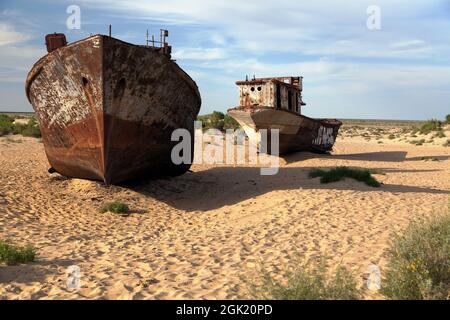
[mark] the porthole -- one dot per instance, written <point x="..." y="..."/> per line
<point x="252" y="89"/>
<point x="259" y="88"/>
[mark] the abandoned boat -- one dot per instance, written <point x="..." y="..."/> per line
<point x="276" y="103"/>
<point x="107" y="108"/>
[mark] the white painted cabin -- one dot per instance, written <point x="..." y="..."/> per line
<point x="279" y="93"/>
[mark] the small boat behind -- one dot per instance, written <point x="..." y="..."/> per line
<point x="276" y="103"/>
<point x="107" y="108"/>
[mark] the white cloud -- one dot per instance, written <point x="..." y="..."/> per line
<point x="9" y="36"/>
<point x="345" y="65"/>
<point x="199" y="53"/>
<point x="16" y="56"/>
<point x="16" y="61"/>
<point x="342" y="89"/>
<point x="408" y="44"/>
<point x="367" y="75"/>
<point x="322" y="27"/>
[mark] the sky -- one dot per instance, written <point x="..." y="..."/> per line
<point x="398" y="70"/>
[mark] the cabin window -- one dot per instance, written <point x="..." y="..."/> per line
<point x="252" y="89"/>
<point x="259" y="88"/>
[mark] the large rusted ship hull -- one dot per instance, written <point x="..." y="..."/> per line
<point x="296" y="132"/>
<point x="107" y="109"/>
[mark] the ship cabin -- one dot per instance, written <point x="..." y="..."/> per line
<point x="283" y="93"/>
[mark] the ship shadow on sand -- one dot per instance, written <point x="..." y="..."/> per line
<point x="382" y="156"/>
<point x="223" y="186"/>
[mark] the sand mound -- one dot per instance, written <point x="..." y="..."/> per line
<point x="80" y="185"/>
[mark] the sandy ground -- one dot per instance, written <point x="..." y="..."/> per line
<point x="199" y="235"/>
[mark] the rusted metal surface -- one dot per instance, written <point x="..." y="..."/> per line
<point x="279" y="93"/>
<point x="275" y="103"/>
<point x="107" y="108"/>
<point x="54" y="41"/>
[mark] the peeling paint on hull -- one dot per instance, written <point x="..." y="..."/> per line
<point x="107" y="109"/>
<point x="297" y="132"/>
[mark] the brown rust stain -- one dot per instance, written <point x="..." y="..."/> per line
<point x="275" y="103"/>
<point x="107" y="108"/>
<point x="98" y="117"/>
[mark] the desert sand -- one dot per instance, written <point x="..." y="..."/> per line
<point x="198" y="236"/>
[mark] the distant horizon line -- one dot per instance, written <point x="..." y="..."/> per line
<point x="344" y="119"/>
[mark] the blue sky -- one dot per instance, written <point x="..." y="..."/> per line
<point x="401" y="71"/>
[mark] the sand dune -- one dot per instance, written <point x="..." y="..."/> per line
<point x="200" y="234"/>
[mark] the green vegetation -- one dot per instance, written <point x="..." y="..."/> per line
<point x="115" y="207"/>
<point x="31" y="129"/>
<point x="230" y="123"/>
<point x="12" y="254"/>
<point x="418" y="142"/>
<point x="213" y="120"/>
<point x="8" y="126"/>
<point x="406" y="130"/>
<point x="431" y="125"/>
<point x="339" y="173"/>
<point x="391" y="137"/>
<point x="439" y="134"/>
<point x="447" y="119"/>
<point x="429" y="159"/>
<point x="218" y="120"/>
<point x="419" y="261"/>
<point x="306" y="282"/>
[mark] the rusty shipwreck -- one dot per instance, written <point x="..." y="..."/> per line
<point x="107" y="108"/>
<point x="276" y="103"/>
